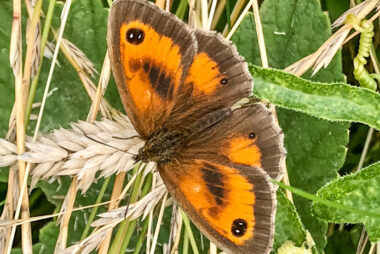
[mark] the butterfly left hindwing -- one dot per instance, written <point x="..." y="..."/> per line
<point x="222" y="178"/>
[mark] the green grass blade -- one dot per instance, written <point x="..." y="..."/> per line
<point x="189" y="232"/>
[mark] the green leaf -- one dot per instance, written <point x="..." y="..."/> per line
<point x="359" y="190"/>
<point x="336" y="102"/>
<point x="336" y="8"/>
<point x="288" y="224"/>
<point x="316" y="148"/>
<point x="6" y="73"/>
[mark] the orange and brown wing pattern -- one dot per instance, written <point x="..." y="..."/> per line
<point x="218" y="69"/>
<point x="217" y="78"/>
<point x="249" y="136"/>
<point x="150" y="52"/>
<point x="233" y="205"/>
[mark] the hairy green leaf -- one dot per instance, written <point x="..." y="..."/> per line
<point x="336" y="102"/>
<point x="359" y="190"/>
<point x="288" y="224"/>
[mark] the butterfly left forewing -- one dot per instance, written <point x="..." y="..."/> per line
<point x="233" y="205"/>
<point x="150" y="51"/>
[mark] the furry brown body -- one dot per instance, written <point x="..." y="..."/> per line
<point x="162" y="146"/>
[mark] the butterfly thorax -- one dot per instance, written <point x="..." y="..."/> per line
<point x="161" y="146"/>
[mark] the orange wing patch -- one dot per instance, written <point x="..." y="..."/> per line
<point x="223" y="197"/>
<point x="205" y="75"/>
<point x="242" y="150"/>
<point x="151" y="63"/>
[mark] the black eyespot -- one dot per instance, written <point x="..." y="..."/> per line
<point x="223" y="81"/>
<point x="239" y="227"/>
<point x="251" y="135"/>
<point x="135" y="36"/>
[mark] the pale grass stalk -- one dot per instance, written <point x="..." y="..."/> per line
<point x="158" y="226"/>
<point x="204" y="12"/>
<point x="160" y="3"/>
<point x="77" y="58"/>
<point x="176" y="229"/>
<point x="140" y="208"/>
<point x="362" y="242"/>
<point x="372" y="248"/>
<point x="260" y="35"/>
<point x="194" y="21"/>
<point x="15" y="57"/>
<point x="103" y="81"/>
<point x="239" y="20"/>
<point x="116" y="191"/>
<point x="167" y="5"/>
<point x="118" y="195"/>
<point x="365" y="149"/>
<point x="65" y="12"/>
<point x="111" y="219"/>
<point x="213" y="248"/>
<point x="177" y="239"/>
<point x="211" y="16"/>
<point x="234" y="15"/>
<point x="11" y="223"/>
<point x="90" y="243"/>
<point x="218" y="13"/>
<point x="83" y="65"/>
<point x="102" y="85"/>
<point x="31" y="55"/>
<point x="67" y="206"/>
<point x="123" y="193"/>
<point x="9" y="207"/>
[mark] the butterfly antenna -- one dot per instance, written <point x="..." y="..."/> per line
<point x="97" y="141"/>
<point x="131" y="137"/>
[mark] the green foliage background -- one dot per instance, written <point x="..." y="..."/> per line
<point x="317" y="146"/>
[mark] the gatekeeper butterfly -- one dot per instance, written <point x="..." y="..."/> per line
<point x="179" y="87"/>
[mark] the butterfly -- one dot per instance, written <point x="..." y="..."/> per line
<point x="181" y="89"/>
